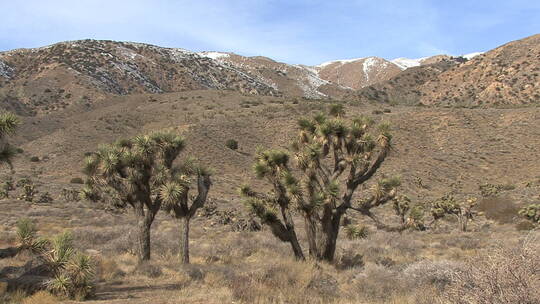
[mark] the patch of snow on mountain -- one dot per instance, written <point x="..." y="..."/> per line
<point x="472" y="55"/>
<point x="405" y="63"/>
<point x="128" y="53"/>
<point x="214" y="55"/>
<point x="369" y="63"/>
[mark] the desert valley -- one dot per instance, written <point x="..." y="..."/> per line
<point x="354" y="181"/>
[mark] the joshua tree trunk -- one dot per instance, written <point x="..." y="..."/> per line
<point x="463" y="222"/>
<point x="293" y="239"/>
<point x="144" y="222"/>
<point x="184" y="240"/>
<point x="322" y="237"/>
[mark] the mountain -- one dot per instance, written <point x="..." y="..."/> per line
<point x="509" y="74"/>
<point x="405" y="63"/>
<point x="53" y="77"/>
<point x="357" y="73"/>
<point x="292" y="80"/>
<point x="65" y="74"/>
<point x="404" y="88"/>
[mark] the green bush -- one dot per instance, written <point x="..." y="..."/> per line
<point x="231" y="144"/>
<point x="76" y="180"/>
<point x="34" y="159"/>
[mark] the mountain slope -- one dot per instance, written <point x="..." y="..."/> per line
<point x="357" y="73"/>
<point x="66" y="73"/>
<point x="509" y="74"/>
<point x="404" y="88"/>
<point x="292" y="80"/>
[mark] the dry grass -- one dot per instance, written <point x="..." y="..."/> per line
<point x="41" y="297"/>
<point x="502" y="276"/>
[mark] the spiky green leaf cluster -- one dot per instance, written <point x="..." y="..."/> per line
<point x="355" y="232"/>
<point x="27" y="237"/>
<point x="263" y="210"/>
<point x="8" y="123"/>
<point x="140" y="164"/>
<point x="270" y="162"/>
<point x="357" y="139"/>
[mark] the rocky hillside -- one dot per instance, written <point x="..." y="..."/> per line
<point x="292" y="80"/>
<point x="509" y="74"/>
<point x="357" y="73"/>
<point x="53" y="77"/>
<point x="404" y="88"/>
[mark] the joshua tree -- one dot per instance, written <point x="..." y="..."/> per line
<point x="448" y="205"/>
<point x="135" y="171"/>
<point x="8" y="124"/>
<point x="531" y="212"/>
<point x="176" y="199"/>
<point x="334" y="159"/>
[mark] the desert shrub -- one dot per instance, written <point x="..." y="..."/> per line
<point x="107" y="270"/>
<point x="34" y="159"/>
<point x="41" y="297"/>
<point x="525" y="225"/>
<point x="350" y="259"/>
<point x="377" y="112"/>
<point x="531" y="212"/>
<point x="76" y="180"/>
<point x="6" y="187"/>
<point x="231" y="144"/>
<point x="149" y="270"/>
<point x="336" y="110"/>
<point x="45" y="198"/>
<point x="29" y="191"/>
<point x="70" y="195"/>
<point x="500" y="209"/>
<point x="504" y="275"/>
<point x="425" y="272"/>
<point x="377" y="283"/>
<point x="23" y="181"/>
<point x="489" y="190"/>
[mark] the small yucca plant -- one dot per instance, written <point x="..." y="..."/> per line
<point x="8" y="125"/>
<point x="355" y="232"/>
<point x="27" y="237"/>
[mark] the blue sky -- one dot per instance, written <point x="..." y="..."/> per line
<point x="293" y="31"/>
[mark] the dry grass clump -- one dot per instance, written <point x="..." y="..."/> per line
<point x="41" y="297"/>
<point x="505" y="275"/>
